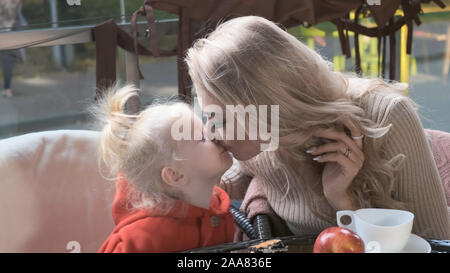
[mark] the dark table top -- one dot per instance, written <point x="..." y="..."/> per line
<point x="297" y="244"/>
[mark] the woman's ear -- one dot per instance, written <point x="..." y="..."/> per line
<point x="173" y="177"/>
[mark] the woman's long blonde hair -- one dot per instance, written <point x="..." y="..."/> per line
<point x="138" y="145"/>
<point x="252" y="61"/>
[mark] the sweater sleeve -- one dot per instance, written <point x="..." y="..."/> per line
<point x="147" y="236"/>
<point x="132" y="238"/>
<point x="417" y="182"/>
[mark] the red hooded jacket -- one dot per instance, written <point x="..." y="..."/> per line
<point x="150" y="231"/>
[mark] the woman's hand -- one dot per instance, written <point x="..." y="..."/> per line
<point x="343" y="159"/>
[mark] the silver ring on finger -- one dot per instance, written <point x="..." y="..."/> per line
<point x="358" y="137"/>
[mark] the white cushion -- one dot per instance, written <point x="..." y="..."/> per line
<point x="52" y="195"/>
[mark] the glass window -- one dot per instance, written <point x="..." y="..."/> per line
<point x="51" y="87"/>
<point x="426" y="69"/>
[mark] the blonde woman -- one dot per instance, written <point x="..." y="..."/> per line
<point x="344" y="142"/>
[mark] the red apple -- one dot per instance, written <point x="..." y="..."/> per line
<point x="338" y="240"/>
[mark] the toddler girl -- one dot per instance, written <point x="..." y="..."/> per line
<point x="166" y="196"/>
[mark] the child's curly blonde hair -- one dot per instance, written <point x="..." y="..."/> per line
<point x="138" y="145"/>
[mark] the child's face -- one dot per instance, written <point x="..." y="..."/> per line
<point x="204" y="158"/>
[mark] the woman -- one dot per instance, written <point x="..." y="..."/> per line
<point x="344" y="142"/>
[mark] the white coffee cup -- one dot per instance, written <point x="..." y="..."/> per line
<point x="386" y="230"/>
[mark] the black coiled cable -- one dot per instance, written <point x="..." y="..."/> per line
<point x="243" y="223"/>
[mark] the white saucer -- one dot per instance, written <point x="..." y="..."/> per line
<point x="416" y="244"/>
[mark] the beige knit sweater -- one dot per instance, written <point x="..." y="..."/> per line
<point x="417" y="182"/>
